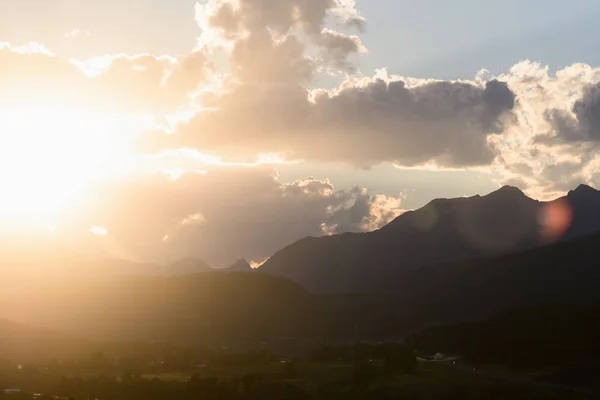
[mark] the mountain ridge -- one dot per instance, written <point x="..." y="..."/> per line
<point x="221" y="306"/>
<point x="444" y="230"/>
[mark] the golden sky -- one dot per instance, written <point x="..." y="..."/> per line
<point x="223" y="148"/>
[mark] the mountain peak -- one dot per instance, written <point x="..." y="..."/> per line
<point x="508" y="190"/>
<point x="583" y="190"/>
<point x="445" y="230"/>
<point x="240" y="265"/>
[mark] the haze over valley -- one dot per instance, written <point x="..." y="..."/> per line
<point x="299" y="199"/>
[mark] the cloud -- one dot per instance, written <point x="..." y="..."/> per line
<point x="363" y="122"/>
<point x="31" y="73"/>
<point x="532" y="127"/>
<point x="32" y="76"/>
<point x="266" y="35"/>
<point x="365" y="213"/>
<point x="232" y="18"/>
<point x="76" y="33"/>
<point x="551" y="144"/>
<point x="257" y="59"/>
<point x="148" y="84"/>
<point x="337" y="47"/>
<point x="222" y="215"/>
<point x="266" y="106"/>
<point x="274" y="53"/>
<point x="582" y="124"/>
<point x="349" y="14"/>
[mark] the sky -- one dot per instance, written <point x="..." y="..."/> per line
<point x="222" y="129"/>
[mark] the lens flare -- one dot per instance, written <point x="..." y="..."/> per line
<point x="555" y="219"/>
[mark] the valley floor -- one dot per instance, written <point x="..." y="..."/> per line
<point x="431" y="380"/>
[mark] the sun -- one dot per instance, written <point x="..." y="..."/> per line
<point x="46" y="156"/>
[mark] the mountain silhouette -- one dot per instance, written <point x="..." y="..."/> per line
<point x="253" y="306"/>
<point x="562" y="272"/>
<point x="445" y="230"/>
<point x="61" y="269"/>
<point x="584" y="203"/>
<point x="240" y="265"/>
<point x="187" y="266"/>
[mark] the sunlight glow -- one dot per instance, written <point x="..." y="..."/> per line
<point x="98" y="230"/>
<point x="46" y="155"/>
<point x="256" y="264"/>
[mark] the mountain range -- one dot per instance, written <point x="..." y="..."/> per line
<point x="73" y="268"/>
<point x="217" y="307"/>
<point x="453" y="259"/>
<point x="240" y="265"/>
<point x="505" y="221"/>
<point x="445" y="230"/>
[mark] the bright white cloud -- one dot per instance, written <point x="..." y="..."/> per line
<point x="98" y="230"/>
<point x="550" y="148"/>
<point x="118" y="84"/>
<point x="76" y="33"/>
